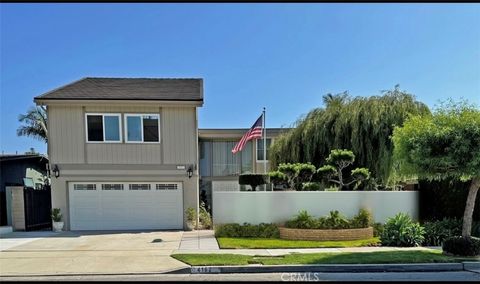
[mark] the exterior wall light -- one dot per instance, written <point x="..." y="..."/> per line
<point x="56" y="171"/>
<point x="190" y="171"/>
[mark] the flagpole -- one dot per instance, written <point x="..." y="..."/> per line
<point x="264" y="146"/>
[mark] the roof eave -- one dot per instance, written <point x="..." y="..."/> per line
<point x="56" y="101"/>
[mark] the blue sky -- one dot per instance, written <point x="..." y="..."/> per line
<point x="281" y="56"/>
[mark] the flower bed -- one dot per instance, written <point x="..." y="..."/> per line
<point x="326" y="235"/>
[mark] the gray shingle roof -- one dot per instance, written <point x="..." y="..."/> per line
<point x="164" y="89"/>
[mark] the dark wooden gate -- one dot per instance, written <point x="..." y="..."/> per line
<point x="38" y="204"/>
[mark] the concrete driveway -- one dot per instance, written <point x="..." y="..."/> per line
<point x="68" y="253"/>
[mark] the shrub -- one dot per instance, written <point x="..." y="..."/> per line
<point x="302" y="221"/>
<point x="361" y="173"/>
<point x="402" y="231"/>
<point x="297" y="174"/>
<point x="377" y="229"/>
<point x="334" y="221"/>
<point x="362" y="220"/>
<point x="311" y="186"/>
<point x="277" y="178"/>
<point x="233" y="230"/>
<point x="191" y="214"/>
<point x="462" y="246"/>
<point x="436" y="232"/>
<point x="56" y="215"/>
<point x="204" y="217"/>
<point x="332" y="188"/>
<point x="253" y="180"/>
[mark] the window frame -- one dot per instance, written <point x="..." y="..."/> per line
<point x="119" y="115"/>
<point x="125" y="125"/>
<point x="256" y="149"/>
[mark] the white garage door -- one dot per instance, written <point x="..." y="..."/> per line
<point x="125" y="206"/>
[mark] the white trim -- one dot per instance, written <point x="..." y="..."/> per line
<point x="119" y="115"/>
<point x="256" y="150"/>
<point x="141" y="127"/>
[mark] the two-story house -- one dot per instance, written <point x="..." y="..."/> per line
<point x="124" y="151"/>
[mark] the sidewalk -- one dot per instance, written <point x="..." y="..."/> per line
<point x="204" y="242"/>
<point x="199" y="240"/>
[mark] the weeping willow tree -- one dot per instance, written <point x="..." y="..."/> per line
<point x="361" y="124"/>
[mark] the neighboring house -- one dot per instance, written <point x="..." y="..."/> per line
<point x="126" y="150"/>
<point x="20" y="170"/>
<point x="220" y="168"/>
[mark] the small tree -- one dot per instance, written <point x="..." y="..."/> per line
<point x="443" y="145"/>
<point x="277" y="178"/>
<point x="297" y="174"/>
<point x="253" y="180"/>
<point x="337" y="161"/>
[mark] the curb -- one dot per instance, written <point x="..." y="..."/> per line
<point x="418" y="267"/>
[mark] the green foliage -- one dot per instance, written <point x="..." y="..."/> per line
<point x="377" y="229"/>
<point x="56" y="215"/>
<point x="262" y="230"/>
<point x="341" y="158"/>
<point x="402" y="231"/>
<point x="445" y="144"/>
<point x="332" y="188"/>
<point x="253" y="180"/>
<point x="34" y="123"/>
<point x="302" y="221"/>
<point x="362" y="124"/>
<point x="334" y="220"/>
<point x="441" y="199"/>
<point x="204" y="217"/>
<point x="360" y="174"/>
<point x="327" y="171"/>
<point x="363" y="219"/>
<point x="191" y="214"/>
<point x="311" y="186"/>
<point x="297" y="174"/>
<point x="462" y="246"/>
<point x="277" y="178"/>
<point x="436" y="232"/>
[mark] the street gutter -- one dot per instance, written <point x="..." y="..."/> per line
<point x="416" y="267"/>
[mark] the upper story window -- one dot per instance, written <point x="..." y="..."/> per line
<point x="103" y="127"/>
<point x="260" y="152"/>
<point x="142" y="128"/>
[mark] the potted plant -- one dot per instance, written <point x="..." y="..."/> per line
<point x="191" y="218"/>
<point x="57" y="220"/>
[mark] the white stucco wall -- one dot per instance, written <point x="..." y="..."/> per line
<point x="277" y="207"/>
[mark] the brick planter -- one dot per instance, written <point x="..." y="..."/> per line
<point x="326" y="235"/>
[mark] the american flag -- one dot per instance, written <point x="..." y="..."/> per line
<point x="254" y="133"/>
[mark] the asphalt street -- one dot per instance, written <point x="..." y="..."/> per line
<point x="312" y="276"/>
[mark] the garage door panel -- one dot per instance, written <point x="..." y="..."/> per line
<point x="125" y="209"/>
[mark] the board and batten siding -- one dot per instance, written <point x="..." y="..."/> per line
<point x="180" y="138"/>
<point x="66" y="132"/>
<point x="68" y="137"/>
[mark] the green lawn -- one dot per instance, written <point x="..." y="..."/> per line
<point x="417" y="256"/>
<point x="254" y="243"/>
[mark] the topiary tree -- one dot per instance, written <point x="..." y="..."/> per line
<point x="337" y="161"/>
<point x="445" y="144"/>
<point x="297" y="174"/>
<point x="253" y="180"/>
<point x="277" y="178"/>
